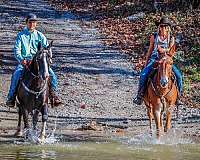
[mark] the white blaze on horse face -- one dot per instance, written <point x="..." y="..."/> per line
<point x="46" y="70"/>
<point x="164" y="77"/>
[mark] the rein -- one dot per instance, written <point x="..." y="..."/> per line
<point x="155" y="89"/>
<point x="34" y="92"/>
<point x="162" y="97"/>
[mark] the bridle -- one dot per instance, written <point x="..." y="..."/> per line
<point x="37" y="93"/>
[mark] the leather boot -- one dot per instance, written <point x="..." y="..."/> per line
<point x="139" y="98"/>
<point x="11" y="102"/>
<point x="54" y="99"/>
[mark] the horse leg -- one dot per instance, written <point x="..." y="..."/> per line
<point x="19" y="133"/>
<point x="149" y="113"/>
<point x="26" y="124"/>
<point x="157" y="121"/>
<point x="44" y="112"/>
<point x="161" y="121"/>
<point x="168" y="121"/>
<point x="35" y="119"/>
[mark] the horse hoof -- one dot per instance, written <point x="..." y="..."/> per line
<point x="18" y="134"/>
<point x="41" y="139"/>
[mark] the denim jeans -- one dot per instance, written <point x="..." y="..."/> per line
<point x="18" y="74"/>
<point x="147" y="70"/>
<point x="179" y="79"/>
<point x="145" y="73"/>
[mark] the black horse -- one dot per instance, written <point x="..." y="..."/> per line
<point x="33" y="91"/>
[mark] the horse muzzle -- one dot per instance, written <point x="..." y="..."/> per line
<point x="45" y="76"/>
<point x="163" y="82"/>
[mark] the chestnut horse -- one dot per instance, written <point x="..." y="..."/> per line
<point x="33" y="91"/>
<point x="161" y="94"/>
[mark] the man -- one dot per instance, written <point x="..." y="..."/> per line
<point x="161" y="42"/>
<point x="25" y="48"/>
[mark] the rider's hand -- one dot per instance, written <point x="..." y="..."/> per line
<point x="24" y="62"/>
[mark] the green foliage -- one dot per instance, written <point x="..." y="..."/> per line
<point x="186" y="85"/>
<point x="192" y="72"/>
<point x="113" y="2"/>
<point x="196" y="48"/>
<point x="189" y="66"/>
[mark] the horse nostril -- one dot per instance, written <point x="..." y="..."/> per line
<point x="163" y="82"/>
<point x="47" y="76"/>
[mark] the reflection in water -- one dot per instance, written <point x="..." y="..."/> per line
<point x="25" y="154"/>
<point x="100" y="151"/>
<point x="48" y="154"/>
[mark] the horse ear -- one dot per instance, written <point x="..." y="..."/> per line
<point x="39" y="46"/>
<point x="50" y="44"/>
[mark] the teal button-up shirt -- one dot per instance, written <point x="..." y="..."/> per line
<point x="26" y="44"/>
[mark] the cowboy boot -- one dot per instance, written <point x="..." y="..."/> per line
<point x="139" y="98"/>
<point x="11" y="101"/>
<point x="54" y="99"/>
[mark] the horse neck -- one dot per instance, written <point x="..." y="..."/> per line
<point x="34" y="68"/>
<point x="31" y="73"/>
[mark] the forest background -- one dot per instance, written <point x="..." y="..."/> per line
<point x="128" y="24"/>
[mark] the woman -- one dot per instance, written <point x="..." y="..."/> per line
<point x="161" y="42"/>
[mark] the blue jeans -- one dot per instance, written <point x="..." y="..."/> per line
<point x="147" y="70"/>
<point x="179" y="79"/>
<point x="18" y="74"/>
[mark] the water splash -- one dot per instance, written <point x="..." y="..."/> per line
<point x="33" y="136"/>
<point x="51" y="138"/>
<point x="173" y="137"/>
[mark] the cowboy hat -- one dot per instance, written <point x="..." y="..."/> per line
<point x="31" y="17"/>
<point x="163" y="21"/>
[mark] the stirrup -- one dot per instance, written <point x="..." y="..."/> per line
<point x="138" y="100"/>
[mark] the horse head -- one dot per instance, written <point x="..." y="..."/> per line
<point x="42" y="59"/>
<point x="164" y="70"/>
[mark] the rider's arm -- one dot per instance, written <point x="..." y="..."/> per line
<point x="149" y="52"/>
<point x="44" y="41"/>
<point x="172" y="47"/>
<point x="17" y="49"/>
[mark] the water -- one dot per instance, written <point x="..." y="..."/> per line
<point x="100" y="151"/>
<point x="181" y="142"/>
<point x="173" y="145"/>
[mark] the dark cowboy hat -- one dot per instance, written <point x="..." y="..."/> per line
<point x="31" y="17"/>
<point x="163" y="21"/>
